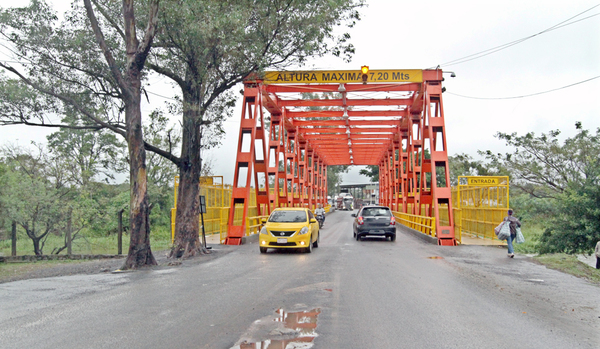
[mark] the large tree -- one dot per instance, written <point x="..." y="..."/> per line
<point x="208" y="47"/>
<point x="78" y="65"/>
<point x="129" y="80"/>
<point x="205" y="48"/>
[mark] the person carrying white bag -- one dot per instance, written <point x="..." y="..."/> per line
<point x="514" y="224"/>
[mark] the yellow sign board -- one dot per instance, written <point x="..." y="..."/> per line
<point x="341" y="76"/>
<point x="206" y="180"/>
<point x="483" y="181"/>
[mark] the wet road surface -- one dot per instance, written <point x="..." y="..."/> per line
<point x="346" y="294"/>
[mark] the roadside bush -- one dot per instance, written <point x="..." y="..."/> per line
<point x="576" y="228"/>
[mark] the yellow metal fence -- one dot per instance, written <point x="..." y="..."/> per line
<point x="476" y="211"/>
<point x="423" y="224"/>
<point x="218" y="198"/>
<point x="479" y="209"/>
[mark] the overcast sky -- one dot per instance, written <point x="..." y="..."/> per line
<point x="424" y="34"/>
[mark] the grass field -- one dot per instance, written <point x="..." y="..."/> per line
<point x="160" y="239"/>
<point x="570" y="265"/>
<point x="532" y="236"/>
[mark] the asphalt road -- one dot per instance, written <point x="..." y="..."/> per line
<point x="346" y="294"/>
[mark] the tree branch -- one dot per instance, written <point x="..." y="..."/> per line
<point x="167" y="155"/>
<point x="112" y="64"/>
<point x="163" y="71"/>
<point x="109" y="19"/>
<point x="66" y="99"/>
<point x="146" y="44"/>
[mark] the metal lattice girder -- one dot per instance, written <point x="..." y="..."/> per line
<point x="248" y="163"/>
<point x="320" y="119"/>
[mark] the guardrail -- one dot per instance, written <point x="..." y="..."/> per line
<point x="217" y="215"/>
<point x="423" y="224"/>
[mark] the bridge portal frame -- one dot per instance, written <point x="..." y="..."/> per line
<point x="403" y="134"/>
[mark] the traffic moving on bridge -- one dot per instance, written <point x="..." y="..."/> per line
<point x="390" y="118"/>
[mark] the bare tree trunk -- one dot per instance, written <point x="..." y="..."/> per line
<point x="187" y="227"/>
<point x="36" y="247"/>
<point x="14" y="239"/>
<point x="69" y="227"/>
<point x="120" y="233"/>
<point x="139" y="223"/>
<point x="129" y="80"/>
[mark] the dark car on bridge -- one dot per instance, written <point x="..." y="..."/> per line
<point x="374" y="221"/>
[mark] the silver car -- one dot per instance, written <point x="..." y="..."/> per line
<point x="374" y="221"/>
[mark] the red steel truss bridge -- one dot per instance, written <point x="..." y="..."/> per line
<point x="296" y="123"/>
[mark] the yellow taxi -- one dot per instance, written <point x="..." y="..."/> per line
<point x="290" y="227"/>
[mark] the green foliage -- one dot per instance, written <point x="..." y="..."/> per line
<point x="557" y="183"/>
<point x="157" y="131"/>
<point x="465" y="165"/>
<point x="86" y="155"/>
<point x="372" y="171"/>
<point x="530" y="209"/>
<point x="532" y="231"/>
<point x="107" y="201"/>
<point x="544" y="167"/>
<point x="576" y="226"/>
<point x="60" y="58"/>
<point x="29" y="197"/>
<point x="334" y="178"/>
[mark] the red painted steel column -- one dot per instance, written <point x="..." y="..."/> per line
<point x="302" y="172"/>
<point x="310" y="178"/>
<point x="252" y="126"/>
<point x="440" y="185"/>
<point x="325" y="202"/>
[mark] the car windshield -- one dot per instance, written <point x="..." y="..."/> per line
<point x="288" y="217"/>
<point x="375" y="211"/>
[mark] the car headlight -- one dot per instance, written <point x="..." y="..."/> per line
<point x="303" y="231"/>
<point x="263" y="230"/>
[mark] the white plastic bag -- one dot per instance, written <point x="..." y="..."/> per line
<point x="497" y="229"/>
<point x="504" y="231"/>
<point x="520" y="238"/>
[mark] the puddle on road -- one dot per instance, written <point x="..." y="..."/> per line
<point x="297" y="332"/>
<point x="435" y="257"/>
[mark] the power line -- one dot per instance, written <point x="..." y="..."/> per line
<point x="530" y="95"/>
<point x="507" y="45"/>
<point x="165" y="97"/>
<point x="3" y="61"/>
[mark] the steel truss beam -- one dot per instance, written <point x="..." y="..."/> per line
<point x="398" y="126"/>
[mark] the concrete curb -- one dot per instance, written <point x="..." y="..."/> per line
<point x="251" y="239"/>
<point x="418" y="234"/>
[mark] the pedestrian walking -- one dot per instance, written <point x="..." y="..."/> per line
<point x="513" y="224"/>
<point x="598" y="255"/>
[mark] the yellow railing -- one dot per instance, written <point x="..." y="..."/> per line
<point x="479" y="209"/>
<point x="217" y="198"/>
<point x="481" y="221"/>
<point x="423" y="224"/>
